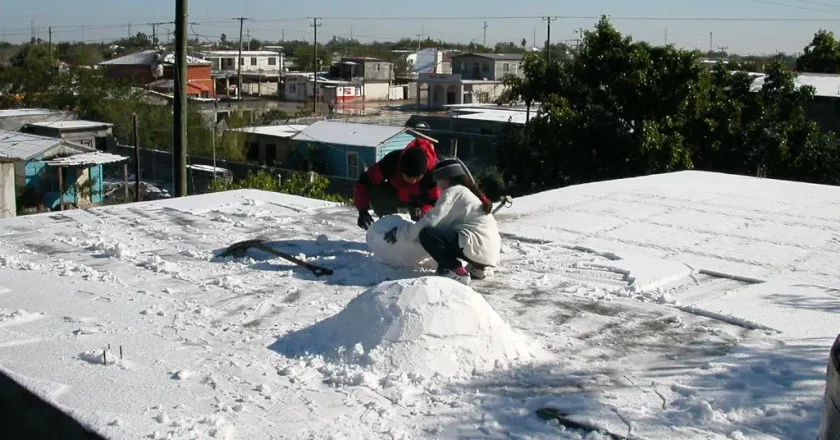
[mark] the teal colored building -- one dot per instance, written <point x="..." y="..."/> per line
<point x="348" y="149"/>
<point x="49" y="171"/>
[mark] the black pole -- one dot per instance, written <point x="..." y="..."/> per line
<point x="136" y="159"/>
<point x="180" y="104"/>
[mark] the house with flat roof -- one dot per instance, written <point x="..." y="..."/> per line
<point x="99" y="135"/>
<point x="347" y="149"/>
<point x="269" y="144"/>
<point x="261" y="70"/>
<point x="14" y="119"/>
<point x="475" y="78"/>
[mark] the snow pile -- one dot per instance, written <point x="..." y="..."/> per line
<point x="399" y="254"/>
<point x="419" y="327"/>
<point x="117" y="250"/>
<point x="8" y="316"/>
<point x="100" y="357"/>
<point x="16" y="263"/>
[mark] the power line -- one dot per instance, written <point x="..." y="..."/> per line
<point x="800" y="7"/>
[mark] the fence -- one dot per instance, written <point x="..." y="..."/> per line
<point x="156" y="167"/>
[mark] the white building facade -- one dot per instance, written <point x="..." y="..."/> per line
<point x="253" y="61"/>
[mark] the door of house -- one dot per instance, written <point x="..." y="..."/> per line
<point x="354" y="168"/>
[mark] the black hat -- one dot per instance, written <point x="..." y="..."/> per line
<point x="414" y="162"/>
<point x="449" y="168"/>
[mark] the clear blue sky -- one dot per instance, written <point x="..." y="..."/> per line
<point x="102" y="19"/>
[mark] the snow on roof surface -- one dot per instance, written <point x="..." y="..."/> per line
<point x="234" y="53"/>
<point x="61" y="125"/>
<point x="8" y="113"/>
<point x="93" y="158"/>
<point x="23" y="146"/>
<point x="825" y="84"/>
<point x="283" y="131"/>
<point x="512" y="116"/>
<point x="348" y="133"/>
<point x="622" y="282"/>
<point x="148" y="57"/>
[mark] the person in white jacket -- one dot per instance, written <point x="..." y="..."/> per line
<point x="459" y="227"/>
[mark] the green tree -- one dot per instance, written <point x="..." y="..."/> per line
<point x="822" y="55"/>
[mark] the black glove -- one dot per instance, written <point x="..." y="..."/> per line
<point x="391" y="236"/>
<point x="415" y="214"/>
<point x="365" y="220"/>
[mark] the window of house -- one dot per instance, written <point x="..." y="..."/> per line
<point x="272" y="61"/>
<point x="242" y="61"/>
<point x="293" y="88"/>
<point x="354" y="169"/>
<point x="506" y="67"/>
<point x="378" y="67"/>
<point x="253" y="61"/>
<point x="463" y="67"/>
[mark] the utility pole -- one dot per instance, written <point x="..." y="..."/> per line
<point x="136" y="159"/>
<point x="239" y="59"/>
<point x="215" y="126"/>
<point x="315" y="25"/>
<point x="535" y="37"/>
<point x="548" y="21"/>
<point x="129" y="29"/>
<point x="180" y="104"/>
<point x="248" y="38"/>
<point x="283" y="35"/>
<point x="419" y="36"/>
<point x="710" y="42"/>
<point x="49" y="30"/>
<point x="666" y="36"/>
<point x="485" y="34"/>
<point x="154" y="31"/>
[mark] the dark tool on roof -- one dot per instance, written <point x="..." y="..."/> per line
<point x="240" y="248"/>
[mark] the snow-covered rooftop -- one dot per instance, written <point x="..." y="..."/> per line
<point x="87" y="159"/>
<point x="281" y="131"/>
<point x="685" y="306"/>
<point x="72" y="125"/>
<point x="24" y="146"/>
<point x="348" y="133"/>
<point x="235" y="53"/>
<point x="8" y="113"/>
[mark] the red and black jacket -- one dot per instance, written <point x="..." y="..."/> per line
<point x="423" y="194"/>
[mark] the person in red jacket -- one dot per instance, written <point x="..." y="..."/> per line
<point x="401" y="180"/>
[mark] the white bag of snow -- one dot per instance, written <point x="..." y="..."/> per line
<point x="422" y="326"/>
<point x="400" y="254"/>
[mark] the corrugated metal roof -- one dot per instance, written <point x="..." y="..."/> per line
<point x="282" y="131"/>
<point x="22" y="146"/>
<point x="85" y="159"/>
<point x="346" y="133"/>
<point x="69" y="125"/>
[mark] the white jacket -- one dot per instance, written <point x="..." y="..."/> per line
<point x="459" y="209"/>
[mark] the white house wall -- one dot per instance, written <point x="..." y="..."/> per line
<point x="377" y="91"/>
<point x="8" y="204"/>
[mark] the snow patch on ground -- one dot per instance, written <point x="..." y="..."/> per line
<point x="12" y="317"/>
<point x="400" y="254"/>
<point x="17" y="264"/>
<point x="421" y="327"/>
<point x="117" y="250"/>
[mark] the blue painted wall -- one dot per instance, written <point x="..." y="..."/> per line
<point x="335" y="156"/>
<point x="39" y="176"/>
<point x="397" y="142"/>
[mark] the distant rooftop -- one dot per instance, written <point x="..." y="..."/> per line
<point x="234" y="53"/>
<point x="25" y="112"/>
<point x="71" y="125"/>
<point x="825" y="84"/>
<point x="281" y="131"/>
<point x="347" y="133"/>
<point x="21" y="146"/>
<point x="495" y="56"/>
<point x="148" y="58"/>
